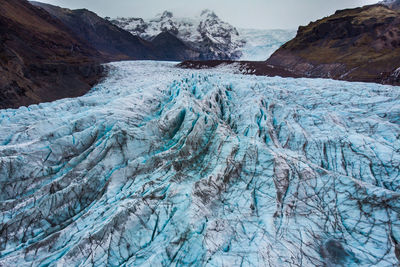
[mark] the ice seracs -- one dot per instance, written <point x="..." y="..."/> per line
<point x="206" y="33"/>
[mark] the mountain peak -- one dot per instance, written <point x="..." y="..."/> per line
<point x="208" y="13"/>
<point x="166" y="14"/>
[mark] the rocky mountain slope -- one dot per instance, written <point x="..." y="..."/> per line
<point x="115" y="43"/>
<point x="361" y="44"/>
<point x="41" y="60"/>
<point x="160" y="166"/>
<point x="111" y="41"/>
<point x="169" y="47"/>
<point x="207" y="34"/>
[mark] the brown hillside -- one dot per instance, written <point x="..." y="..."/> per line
<point x="41" y="60"/>
<point x="361" y="44"/>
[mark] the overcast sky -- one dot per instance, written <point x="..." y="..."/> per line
<point x="261" y="14"/>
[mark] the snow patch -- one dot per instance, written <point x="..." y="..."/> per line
<point x="396" y="73"/>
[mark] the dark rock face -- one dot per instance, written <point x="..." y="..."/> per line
<point x="111" y="41"/>
<point x="169" y="47"/>
<point x="41" y="60"/>
<point x="361" y="44"/>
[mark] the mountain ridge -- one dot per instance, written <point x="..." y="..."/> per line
<point x="206" y="34"/>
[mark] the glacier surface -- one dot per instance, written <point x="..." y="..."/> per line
<point x="159" y="166"/>
<point x="261" y="44"/>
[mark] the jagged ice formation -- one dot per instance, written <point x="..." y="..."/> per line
<point x="161" y="166"/>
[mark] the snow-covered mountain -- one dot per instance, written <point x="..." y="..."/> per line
<point x="207" y="33"/>
<point x="159" y="166"/>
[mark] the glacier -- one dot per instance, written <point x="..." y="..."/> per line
<point x="261" y="44"/>
<point x="159" y="166"/>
